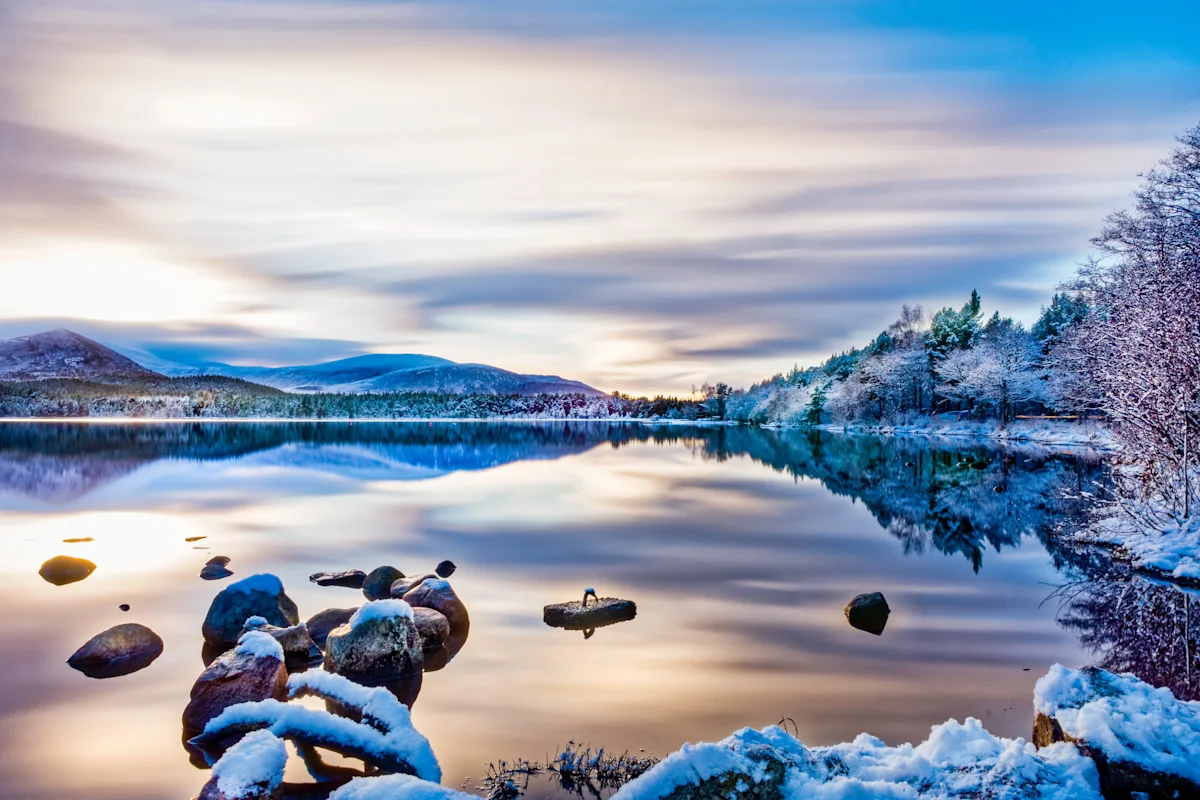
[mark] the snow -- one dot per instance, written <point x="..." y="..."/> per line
<point x="380" y="609"/>
<point x="263" y="582"/>
<point x="958" y="759"/>
<point x="436" y="584"/>
<point x="254" y="763"/>
<point x="1129" y="720"/>
<point x="396" y="787"/>
<point x="259" y="645"/>
<point x="1049" y="432"/>
<point x="1171" y="552"/>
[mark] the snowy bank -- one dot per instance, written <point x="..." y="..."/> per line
<point x="1142" y="739"/>
<point x="1048" y="432"/>
<point x="957" y="760"/>
<point x="1172" y="553"/>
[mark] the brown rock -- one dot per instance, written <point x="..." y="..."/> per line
<point x="241" y="675"/>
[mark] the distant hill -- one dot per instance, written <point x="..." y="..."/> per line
<point x="393" y="373"/>
<point x="65" y="354"/>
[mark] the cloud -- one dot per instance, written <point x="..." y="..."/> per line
<point x="606" y="192"/>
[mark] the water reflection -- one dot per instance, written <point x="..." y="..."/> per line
<point x="741" y="575"/>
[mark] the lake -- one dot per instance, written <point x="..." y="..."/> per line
<point x="740" y="546"/>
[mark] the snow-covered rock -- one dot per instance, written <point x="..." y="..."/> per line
<point x="250" y="770"/>
<point x="396" y="787"/>
<point x="958" y="760"/>
<point x="256" y="596"/>
<point x="1142" y="739"/>
<point x="1172" y="553"/>
<point x="120" y="650"/>
<point x="298" y="646"/>
<point x="438" y="594"/>
<point x="380" y="643"/>
<point x="254" y="670"/>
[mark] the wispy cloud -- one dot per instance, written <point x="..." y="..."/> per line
<point x="643" y="199"/>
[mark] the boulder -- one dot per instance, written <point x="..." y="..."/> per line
<point x="120" y="650"/>
<point x="378" y="583"/>
<point x="250" y="770"/>
<point x="868" y="612"/>
<point x="439" y="595"/>
<point x="378" y="644"/>
<point x="1143" y="741"/>
<point x="350" y="578"/>
<point x="576" y="616"/>
<point x="252" y="671"/>
<point x="298" y="647"/>
<point x="432" y="627"/>
<point x="320" y="624"/>
<point x="62" y="570"/>
<point x="256" y="596"/>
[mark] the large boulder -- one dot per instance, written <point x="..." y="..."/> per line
<point x="252" y="671"/>
<point x="868" y="612"/>
<point x="299" y="649"/>
<point x="432" y="627"/>
<point x="62" y="570"/>
<point x="378" y="644"/>
<point x="378" y="583"/>
<point x="256" y="596"/>
<point x="438" y="594"/>
<point x="320" y="624"/>
<point x="120" y="650"/>
<point x="1143" y="740"/>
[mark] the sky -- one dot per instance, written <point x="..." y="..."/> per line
<point x="641" y="195"/>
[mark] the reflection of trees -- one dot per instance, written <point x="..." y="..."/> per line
<point x="960" y="499"/>
<point x="1140" y="626"/>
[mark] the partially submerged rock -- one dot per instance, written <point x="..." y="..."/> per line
<point x="120" y="650"/>
<point x="402" y="586"/>
<point x="252" y="671"/>
<point x="396" y="787"/>
<point x="1142" y="739"/>
<point x="62" y="570"/>
<point x="350" y="578"/>
<point x="250" y="770"/>
<point x="868" y="612"/>
<point x="215" y="572"/>
<point x="958" y="760"/>
<point x="575" y="616"/>
<point x="378" y="583"/>
<point x="432" y="627"/>
<point x="378" y="644"/>
<point x="256" y="596"/>
<point x="299" y="649"/>
<point x="438" y="594"/>
<point x="320" y="624"/>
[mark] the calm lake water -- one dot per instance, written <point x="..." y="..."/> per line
<point x="741" y="547"/>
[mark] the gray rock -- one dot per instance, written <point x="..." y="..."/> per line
<point x="596" y="614"/>
<point x="432" y="627"/>
<point x="120" y="650"/>
<point x="62" y="570"/>
<point x="868" y="612"/>
<point x="256" y="596"/>
<point x="350" y="578"/>
<point x="445" y="569"/>
<point x="378" y="583"/>
<point x="321" y="623"/>
<point x="221" y="561"/>
<point x="298" y="646"/>
<point x="376" y="648"/>
<point x="215" y="572"/>
<point x="439" y="595"/>
<point x="241" y="675"/>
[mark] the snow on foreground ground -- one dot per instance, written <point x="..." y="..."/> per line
<point x="1173" y="552"/>
<point x="1109" y="731"/>
<point x="1049" y="432"/>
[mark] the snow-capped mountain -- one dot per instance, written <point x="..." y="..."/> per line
<point x="65" y="354"/>
<point x="391" y="373"/>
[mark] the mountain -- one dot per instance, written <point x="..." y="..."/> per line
<point x="389" y="373"/>
<point x="65" y="354"/>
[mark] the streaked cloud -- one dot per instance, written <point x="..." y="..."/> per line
<point x="640" y="198"/>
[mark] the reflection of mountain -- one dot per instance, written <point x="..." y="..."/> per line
<point x="952" y="500"/>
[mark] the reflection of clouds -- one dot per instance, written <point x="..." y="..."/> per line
<point x="432" y="179"/>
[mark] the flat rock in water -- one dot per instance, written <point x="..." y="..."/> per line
<point x="78" y="540"/>
<point x="120" y="650"/>
<point x="215" y="572"/>
<point x="62" y="570"/>
<point x="350" y="578"/>
<point x="256" y="596"/>
<point x="320" y="624"/>
<point x="378" y="583"/>
<point x="222" y="561"/>
<point x="598" y="613"/>
<point x="868" y="612"/>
